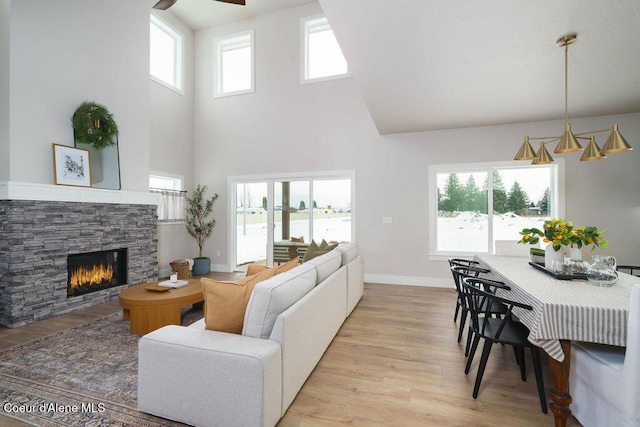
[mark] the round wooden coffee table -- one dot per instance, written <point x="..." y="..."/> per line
<point x="147" y="310"/>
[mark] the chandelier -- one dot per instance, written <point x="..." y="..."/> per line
<point x="568" y="141"/>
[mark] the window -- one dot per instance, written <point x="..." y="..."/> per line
<point x="234" y="65"/>
<point x="172" y="198"/>
<point x="321" y="56"/>
<point x="165" y="55"/>
<point x="460" y="221"/>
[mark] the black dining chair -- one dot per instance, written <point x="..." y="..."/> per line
<point x="481" y="297"/>
<point x="630" y="269"/>
<point x="459" y="272"/>
<point x="461" y="262"/>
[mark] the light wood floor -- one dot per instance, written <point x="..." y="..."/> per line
<point x="395" y="362"/>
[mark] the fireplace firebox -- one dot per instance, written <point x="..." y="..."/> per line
<point x="95" y="271"/>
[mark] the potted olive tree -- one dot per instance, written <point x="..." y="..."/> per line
<point x="199" y="226"/>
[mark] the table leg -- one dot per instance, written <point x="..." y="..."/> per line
<point x="560" y="398"/>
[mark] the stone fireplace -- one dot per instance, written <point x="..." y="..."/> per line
<point x="38" y="237"/>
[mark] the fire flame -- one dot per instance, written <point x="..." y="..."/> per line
<point x="94" y="275"/>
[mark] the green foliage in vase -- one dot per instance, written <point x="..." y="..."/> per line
<point x="560" y="233"/>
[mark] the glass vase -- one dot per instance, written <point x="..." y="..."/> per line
<point x="603" y="271"/>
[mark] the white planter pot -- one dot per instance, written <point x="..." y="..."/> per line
<point x="550" y="255"/>
<point x="575" y="254"/>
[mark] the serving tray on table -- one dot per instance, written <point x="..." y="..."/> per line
<point x="559" y="276"/>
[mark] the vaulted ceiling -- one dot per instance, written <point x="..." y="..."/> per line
<point x="433" y="64"/>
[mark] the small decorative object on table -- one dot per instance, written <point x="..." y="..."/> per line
<point x="157" y="288"/>
<point x="603" y="271"/>
<point x="560" y="233"/>
<point x="182" y="268"/>
<point x="174" y="285"/>
<point x="536" y="255"/>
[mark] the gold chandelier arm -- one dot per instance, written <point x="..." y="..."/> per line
<point x="609" y="129"/>
<point x="550" y="138"/>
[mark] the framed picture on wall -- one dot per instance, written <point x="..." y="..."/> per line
<point x="71" y="166"/>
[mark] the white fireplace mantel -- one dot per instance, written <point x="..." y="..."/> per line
<point x="11" y="190"/>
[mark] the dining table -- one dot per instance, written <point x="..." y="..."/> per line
<point x="563" y="311"/>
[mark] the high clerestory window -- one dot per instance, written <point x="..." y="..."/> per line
<point x="321" y="56"/>
<point x="166" y="55"/>
<point x="234" y="69"/>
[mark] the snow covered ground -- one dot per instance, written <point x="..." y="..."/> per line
<point x="472" y="228"/>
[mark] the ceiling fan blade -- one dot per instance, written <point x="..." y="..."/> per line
<point x="164" y="4"/>
<point x="240" y="2"/>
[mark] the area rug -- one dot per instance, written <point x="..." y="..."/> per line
<point x="86" y="375"/>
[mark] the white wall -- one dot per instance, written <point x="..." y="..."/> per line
<point x="63" y="53"/>
<point x="288" y="127"/>
<point x="4" y="89"/>
<point x="172" y="146"/>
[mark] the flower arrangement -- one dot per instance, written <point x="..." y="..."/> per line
<point x="560" y="233"/>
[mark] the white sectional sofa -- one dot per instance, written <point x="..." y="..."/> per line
<point x="209" y="378"/>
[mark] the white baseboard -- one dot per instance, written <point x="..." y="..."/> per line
<point x="221" y="268"/>
<point x="431" y="282"/>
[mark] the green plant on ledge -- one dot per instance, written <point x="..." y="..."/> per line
<point x="198" y="209"/>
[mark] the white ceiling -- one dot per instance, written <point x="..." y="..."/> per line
<point x="199" y="14"/>
<point x="433" y="64"/>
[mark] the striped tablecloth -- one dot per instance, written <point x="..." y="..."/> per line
<point x="563" y="309"/>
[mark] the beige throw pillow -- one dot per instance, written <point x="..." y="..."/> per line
<point x="257" y="268"/>
<point x="226" y="302"/>
<point x="287" y="265"/>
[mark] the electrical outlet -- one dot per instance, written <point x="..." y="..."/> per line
<point x="387" y="220"/>
<point x="217" y="253"/>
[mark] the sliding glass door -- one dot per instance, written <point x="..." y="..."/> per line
<point x="251" y="222"/>
<point x="276" y="218"/>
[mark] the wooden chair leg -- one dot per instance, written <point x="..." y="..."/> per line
<point x="455" y="315"/>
